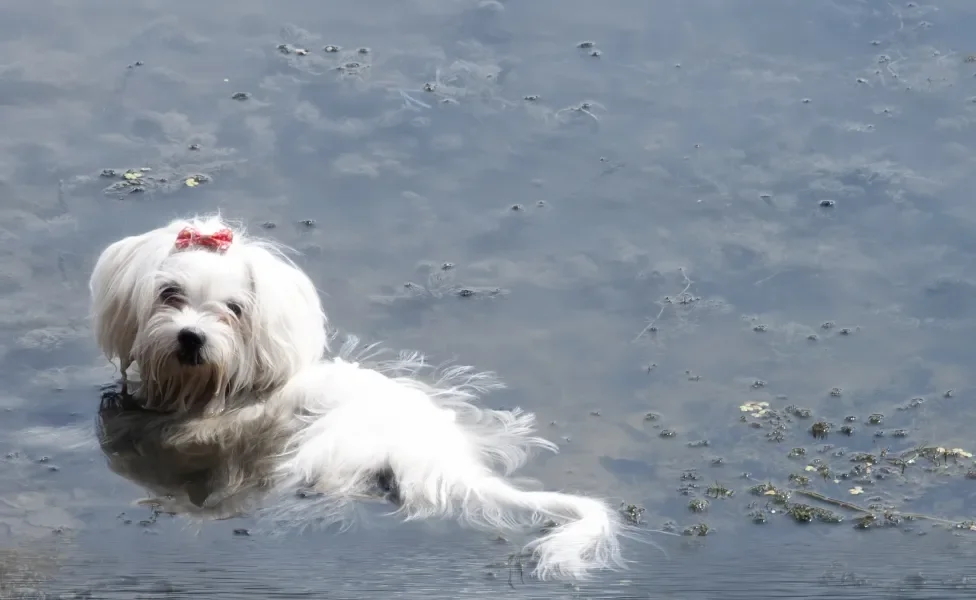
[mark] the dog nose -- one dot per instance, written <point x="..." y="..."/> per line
<point x="190" y="340"/>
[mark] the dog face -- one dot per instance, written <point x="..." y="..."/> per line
<point x="197" y="330"/>
<point x="209" y="316"/>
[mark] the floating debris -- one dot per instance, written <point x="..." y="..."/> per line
<point x="757" y="409"/>
<point x="139" y="180"/>
<point x="719" y="491"/>
<point x="633" y="513"/>
<point x="287" y="49"/>
<point x="800" y="480"/>
<point x="797" y="452"/>
<point x="241" y="96"/>
<point x="863" y="471"/>
<point x="954" y="452"/>
<point x="799" y="412"/>
<point x="820" y="430"/>
<point x="803" y="513"/>
<point x="439" y="285"/>
<point x="773" y="494"/>
<point x="916" y="402"/>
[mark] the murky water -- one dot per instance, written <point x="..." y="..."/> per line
<point x="708" y="203"/>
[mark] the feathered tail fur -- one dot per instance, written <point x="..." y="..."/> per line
<point x="437" y="455"/>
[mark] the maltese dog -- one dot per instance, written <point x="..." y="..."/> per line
<point x="238" y="395"/>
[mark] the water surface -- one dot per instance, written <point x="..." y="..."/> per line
<point x="706" y="203"/>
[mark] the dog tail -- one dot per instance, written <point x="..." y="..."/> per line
<point x="580" y="534"/>
<point x="435" y="454"/>
<point x="458" y="479"/>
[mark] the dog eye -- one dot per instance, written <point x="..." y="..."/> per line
<point x="235" y="308"/>
<point x="170" y="295"/>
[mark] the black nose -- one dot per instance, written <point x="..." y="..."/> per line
<point x="190" y="340"/>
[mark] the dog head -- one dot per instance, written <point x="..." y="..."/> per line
<point x="208" y="315"/>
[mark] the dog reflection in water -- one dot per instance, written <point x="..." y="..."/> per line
<point x="237" y="402"/>
<point x="205" y="479"/>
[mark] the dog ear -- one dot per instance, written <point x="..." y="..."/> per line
<point x="120" y="289"/>
<point x="287" y="321"/>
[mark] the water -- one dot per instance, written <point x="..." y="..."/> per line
<point x="771" y="167"/>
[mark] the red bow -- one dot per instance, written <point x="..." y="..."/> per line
<point x="190" y="237"/>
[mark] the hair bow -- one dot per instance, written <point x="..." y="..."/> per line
<point x="190" y="237"/>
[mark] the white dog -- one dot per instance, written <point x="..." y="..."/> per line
<point x="230" y="343"/>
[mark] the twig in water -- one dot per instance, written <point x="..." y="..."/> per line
<point x="834" y="501"/>
<point x="665" y="304"/>
<point x="861" y="509"/>
<point x="583" y="108"/>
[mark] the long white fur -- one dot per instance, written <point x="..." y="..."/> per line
<point x="341" y="418"/>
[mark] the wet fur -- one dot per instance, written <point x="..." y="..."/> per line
<point x="271" y="411"/>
